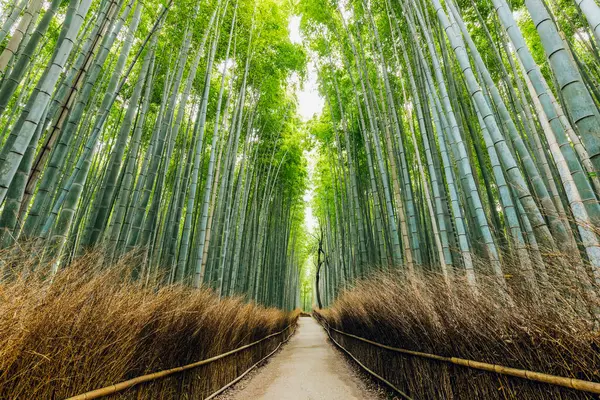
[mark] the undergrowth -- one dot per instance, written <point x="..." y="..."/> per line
<point x="422" y="314"/>
<point x="92" y="327"/>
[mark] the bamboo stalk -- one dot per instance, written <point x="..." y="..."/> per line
<point x="121" y="386"/>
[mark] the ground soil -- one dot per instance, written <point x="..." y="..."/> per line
<point x="308" y="368"/>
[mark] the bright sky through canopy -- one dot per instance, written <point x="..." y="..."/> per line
<point x="310" y="103"/>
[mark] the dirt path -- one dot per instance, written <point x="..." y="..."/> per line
<point x="308" y="368"/>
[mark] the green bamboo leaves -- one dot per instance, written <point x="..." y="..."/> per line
<point x="479" y="171"/>
<point x="107" y="145"/>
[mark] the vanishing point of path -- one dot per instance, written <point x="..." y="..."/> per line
<point x="307" y="368"/>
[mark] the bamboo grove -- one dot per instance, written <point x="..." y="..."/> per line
<point x="163" y="129"/>
<point x="459" y="138"/>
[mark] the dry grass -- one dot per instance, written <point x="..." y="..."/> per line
<point x="422" y="315"/>
<point x="90" y="329"/>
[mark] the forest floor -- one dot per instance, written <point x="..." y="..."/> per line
<point x="308" y="368"/>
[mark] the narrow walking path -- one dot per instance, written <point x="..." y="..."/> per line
<point x="308" y="368"/>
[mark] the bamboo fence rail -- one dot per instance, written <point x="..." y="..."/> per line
<point x="239" y="378"/>
<point x="571" y="383"/>
<point x="121" y="386"/>
<point x="381" y="378"/>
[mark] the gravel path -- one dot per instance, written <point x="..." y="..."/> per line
<point x="308" y="368"/>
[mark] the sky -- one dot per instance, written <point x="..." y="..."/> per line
<point x="310" y="103"/>
<point x="309" y="100"/>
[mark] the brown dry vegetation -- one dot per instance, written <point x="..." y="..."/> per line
<point x="89" y="329"/>
<point x="423" y="315"/>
